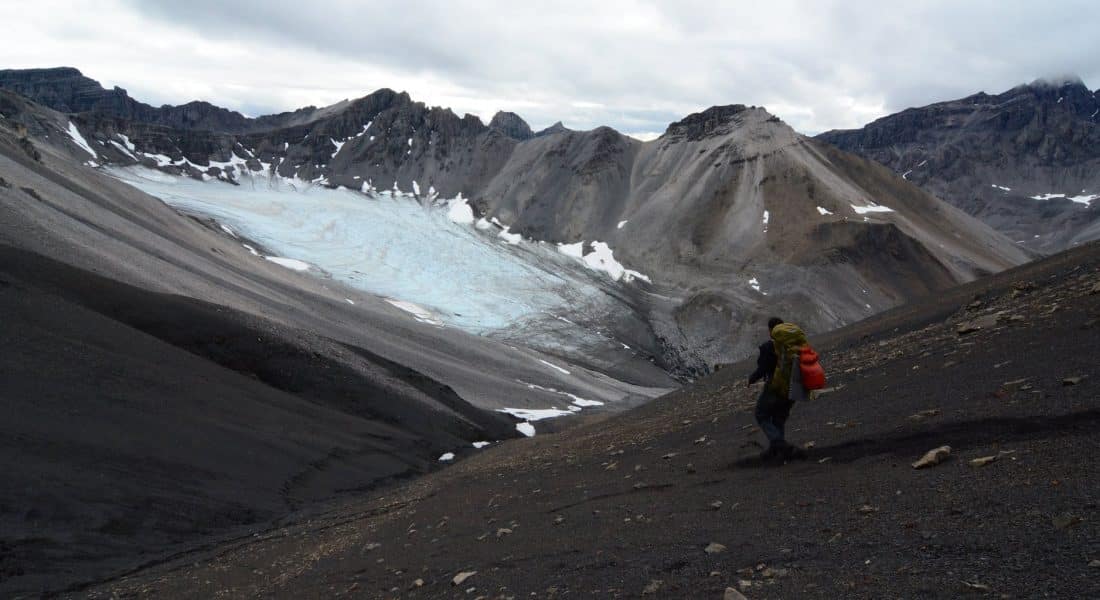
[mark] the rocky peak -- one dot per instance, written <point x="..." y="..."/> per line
<point x="1069" y="93"/>
<point x="714" y="121"/>
<point x="551" y="130"/>
<point x="377" y="101"/>
<point x="1059" y="82"/>
<point x="511" y="125"/>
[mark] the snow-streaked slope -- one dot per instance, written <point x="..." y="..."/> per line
<point x="78" y="139"/>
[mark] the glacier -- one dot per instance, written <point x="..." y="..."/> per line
<point x="426" y="257"/>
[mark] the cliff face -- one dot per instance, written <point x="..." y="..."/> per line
<point x="1024" y="161"/>
<point x="732" y="214"/>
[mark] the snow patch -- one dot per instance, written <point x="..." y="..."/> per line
<point x="578" y="401"/>
<point x="823" y="211"/>
<point x="421" y="314"/>
<point x="575" y="250"/>
<point x="123" y="149"/>
<point x="480" y="445"/>
<point x="235" y="164"/>
<point x="1085" y="199"/>
<point x="162" y="160"/>
<point x="526" y="429"/>
<point x="446" y="457"/>
<point x="553" y="366"/>
<point x="79" y="140"/>
<point x="459" y="211"/>
<point x="536" y="414"/>
<point x="754" y="283"/>
<point x="290" y="263"/>
<point x="1000" y="187"/>
<point x="602" y="258"/>
<point x="863" y="210"/>
<point x="621" y="224"/>
<point x="509" y="237"/>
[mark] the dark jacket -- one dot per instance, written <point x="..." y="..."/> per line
<point x="765" y="363"/>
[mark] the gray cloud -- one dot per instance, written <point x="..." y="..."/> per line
<point x="631" y="64"/>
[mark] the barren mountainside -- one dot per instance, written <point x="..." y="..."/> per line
<point x="1025" y="161"/>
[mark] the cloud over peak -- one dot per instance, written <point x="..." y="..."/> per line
<point x="631" y="64"/>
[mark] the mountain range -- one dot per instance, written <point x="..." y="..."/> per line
<point x="1025" y="161"/>
<point x="731" y="213"/>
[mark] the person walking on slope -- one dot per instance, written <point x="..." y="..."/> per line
<point x="778" y="366"/>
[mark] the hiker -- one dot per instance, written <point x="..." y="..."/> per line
<point x="765" y="363"/>
<point x="781" y="364"/>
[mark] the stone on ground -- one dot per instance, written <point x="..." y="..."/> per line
<point x="933" y="457"/>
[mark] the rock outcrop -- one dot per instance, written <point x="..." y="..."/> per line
<point x="511" y="125"/>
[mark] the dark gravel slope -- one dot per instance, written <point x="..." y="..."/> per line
<point x="134" y="422"/>
<point x="627" y="506"/>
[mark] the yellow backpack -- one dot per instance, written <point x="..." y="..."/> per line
<point x="788" y="339"/>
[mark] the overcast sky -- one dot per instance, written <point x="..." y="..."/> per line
<point x="633" y="65"/>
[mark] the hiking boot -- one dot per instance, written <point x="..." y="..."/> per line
<point x="794" y="453"/>
<point x="773" y="452"/>
<point x="776" y="451"/>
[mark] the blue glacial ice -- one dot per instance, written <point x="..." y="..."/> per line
<point x="426" y="257"/>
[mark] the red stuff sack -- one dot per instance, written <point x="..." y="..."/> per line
<point x="813" y="375"/>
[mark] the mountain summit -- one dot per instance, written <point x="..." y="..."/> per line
<point x="511" y="125"/>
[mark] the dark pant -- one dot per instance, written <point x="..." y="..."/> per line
<point x="771" y="413"/>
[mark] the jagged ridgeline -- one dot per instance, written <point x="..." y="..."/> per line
<point x="731" y="214"/>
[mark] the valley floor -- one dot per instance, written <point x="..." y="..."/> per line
<point x="626" y="506"/>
